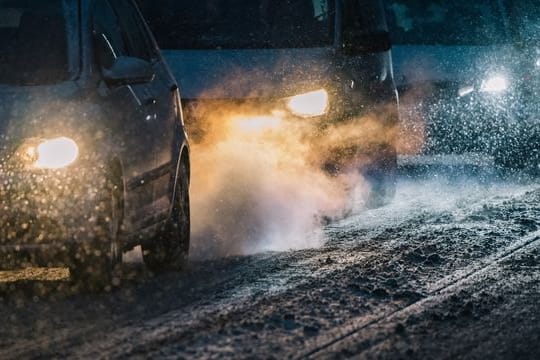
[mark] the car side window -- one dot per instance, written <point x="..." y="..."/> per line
<point x="136" y="36"/>
<point x="108" y="36"/>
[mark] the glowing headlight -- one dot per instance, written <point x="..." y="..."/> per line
<point x="310" y="104"/>
<point x="496" y="83"/>
<point x="54" y="153"/>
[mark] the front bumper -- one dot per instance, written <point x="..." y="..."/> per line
<point x="442" y="122"/>
<point x="343" y="134"/>
<point x="45" y="213"/>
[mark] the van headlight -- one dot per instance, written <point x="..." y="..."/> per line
<point x="311" y="104"/>
<point x="495" y="84"/>
<point x="54" y="153"/>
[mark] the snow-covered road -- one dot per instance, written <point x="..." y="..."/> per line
<point x="446" y="269"/>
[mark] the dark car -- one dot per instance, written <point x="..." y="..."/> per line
<point x="325" y="63"/>
<point x="93" y="155"/>
<point x="456" y="70"/>
<point x="468" y="76"/>
<point x="522" y="150"/>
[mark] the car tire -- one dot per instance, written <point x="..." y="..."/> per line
<point x="169" y="249"/>
<point x="96" y="265"/>
<point x="381" y="176"/>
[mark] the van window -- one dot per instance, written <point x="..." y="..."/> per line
<point x="215" y="24"/>
<point x="443" y="22"/>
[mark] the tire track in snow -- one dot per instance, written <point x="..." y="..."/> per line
<point x="440" y="291"/>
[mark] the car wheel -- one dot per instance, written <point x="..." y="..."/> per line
<point x="169" y="250"/>
<point x="96" y="265"/>
<point x="381" y="176"/>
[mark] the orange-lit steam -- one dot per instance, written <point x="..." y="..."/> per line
<point x="258" y="181"/>
<point x="253" y="188"/>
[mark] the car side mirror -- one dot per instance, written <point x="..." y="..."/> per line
<point x="126" y="70"/>
<point x="356" y="43"/>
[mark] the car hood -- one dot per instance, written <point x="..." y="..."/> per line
<point x="438" y="64"/>
<point x="27" y="108"/>
<point x="236" y="74"/>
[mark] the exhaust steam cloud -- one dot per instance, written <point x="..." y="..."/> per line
<point x="259" y="184"/>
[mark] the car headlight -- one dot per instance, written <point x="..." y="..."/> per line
<point x="494" y="84"/>
<point x="314" y="103"/>
<point x="53" y="153"/>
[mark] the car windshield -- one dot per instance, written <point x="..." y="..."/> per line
<point x="442" y="22"/>
<point x="33" y="42"/>
<point x="210" y="24"/>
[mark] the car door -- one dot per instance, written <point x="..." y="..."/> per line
<point x="131" y="116"/>
<point x="161" y="95"/>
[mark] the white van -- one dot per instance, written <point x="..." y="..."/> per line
<point x="327" y="61"/>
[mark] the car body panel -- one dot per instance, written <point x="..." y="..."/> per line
<point x="445" y="63"/>
<point x="249" y="73"/>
